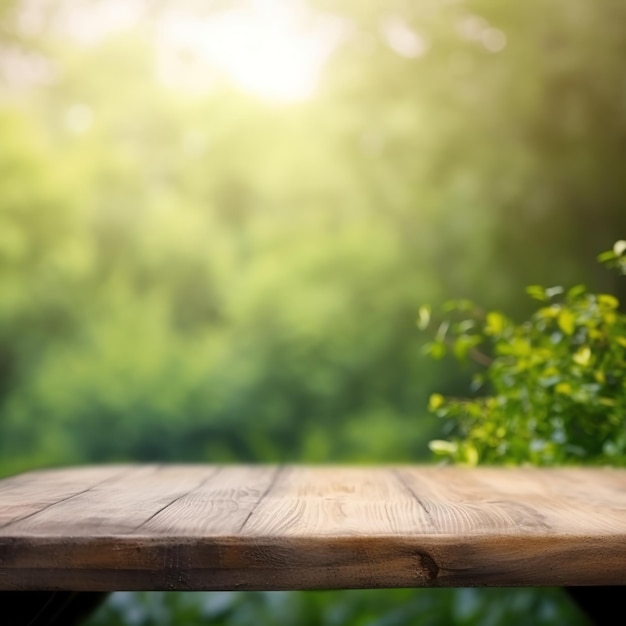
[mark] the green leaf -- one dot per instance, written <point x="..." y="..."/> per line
<point x="567" y="321"/>
<point x="537" y="292"/>
<point x="435" y="402"/>
<point x="551" y="292"/>
<point x="518" y="347"/>
<point x="439" y="446"/>
<point x="609" y="255"/>
<point x="464" y="344"/>
<point x="464" y="326"/>
<point x="549" y="312"/>
<point x="470" y="453"/>
<point x="582" y="355"/>
<point x="575" y="291"/>
<point x="436" y="350"/>
<point x="619" y="247"/>
<point x="442" y="331"/>
<point x="496" y="323"/>
<point x="608" y="301"/>
<point x="423" y="317"/>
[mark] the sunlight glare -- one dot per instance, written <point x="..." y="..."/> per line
<point x="274" y="49"/>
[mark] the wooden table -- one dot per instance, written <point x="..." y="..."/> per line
<point x="233" y="527"/>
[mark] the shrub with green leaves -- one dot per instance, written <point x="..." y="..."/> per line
<point x="552" y="389"/>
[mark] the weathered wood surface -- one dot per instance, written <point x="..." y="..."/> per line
<point x="181" y="527"/>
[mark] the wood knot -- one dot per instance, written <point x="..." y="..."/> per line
<point x="428" y="565"/>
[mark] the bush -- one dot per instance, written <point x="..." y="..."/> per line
<point x="552" y="386"/>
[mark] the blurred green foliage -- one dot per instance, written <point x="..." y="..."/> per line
<point x="554" y="383"/>
<point x="200" y="274"/>
<point x="389" y="607"/>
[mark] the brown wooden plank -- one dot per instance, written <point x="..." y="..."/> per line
<point x="28" y="493"/>
<point x="521" y="501"/>
<point x="118" y="506"/>
<point x="219" y="506"/>
<point x="255" y="527"/>
<point x="330" y="501"/>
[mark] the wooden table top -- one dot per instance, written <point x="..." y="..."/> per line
<point x="212" y="527"/>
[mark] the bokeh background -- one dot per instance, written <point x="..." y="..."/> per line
<point x="218" y="220"/>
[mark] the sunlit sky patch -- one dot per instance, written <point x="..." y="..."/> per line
<point x="274" y="49"/>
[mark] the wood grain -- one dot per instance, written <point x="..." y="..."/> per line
<point x="176" y="527"/>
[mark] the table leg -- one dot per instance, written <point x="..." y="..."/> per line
<point x="49" y="608"/>
<point x="598" y="603"/>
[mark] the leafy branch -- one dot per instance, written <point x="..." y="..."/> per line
<point x="554" y="388"/>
